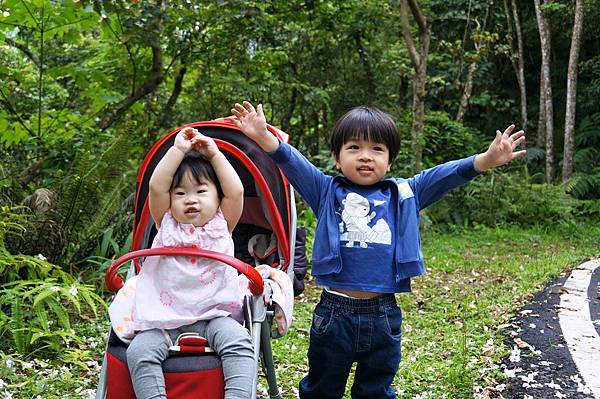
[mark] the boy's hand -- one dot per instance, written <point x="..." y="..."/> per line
<point x="185" y="139"/>
<point x="251" y="121"/>
<point x="253" y="124"/>
<point x="502" y="150"/>
<point x="205" y="145"/>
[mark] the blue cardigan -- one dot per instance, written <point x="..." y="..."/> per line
<point x="415" y="193"/>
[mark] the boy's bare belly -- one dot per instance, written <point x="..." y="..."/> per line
<point x="358" y="294"/>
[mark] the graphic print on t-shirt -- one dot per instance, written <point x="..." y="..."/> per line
<point x="356" y="222"/>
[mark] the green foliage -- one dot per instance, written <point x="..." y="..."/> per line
<point x="109" y="248"/>
<point x="38" y="301"/>
<point x="38" y="314"/>
<point x="34" y="91"/>
<point x="307" y="219"/>
<point x="585" y="182"/>
<point x="90" y="194"/>
<point x="444" y="139"/>
<point x="498" y="198"/>
<point x="11" y="223"/>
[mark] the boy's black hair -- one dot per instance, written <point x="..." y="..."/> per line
<point x="200" y="169"/>
<point x="367" y="123"/>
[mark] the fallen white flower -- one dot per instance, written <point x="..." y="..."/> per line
<point x="515" y="355"/>
<point x="553" y="386"/>
<point x="512" y="373"/>
<point x="529" y="377"/>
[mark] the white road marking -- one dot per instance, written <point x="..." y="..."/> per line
<point x="576" y="324"/>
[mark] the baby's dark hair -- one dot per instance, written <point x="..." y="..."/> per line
<point x="366" y="123"/>
<point x="200" y="169"/>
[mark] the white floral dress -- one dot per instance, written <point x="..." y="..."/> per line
<point x="172" y="291"/>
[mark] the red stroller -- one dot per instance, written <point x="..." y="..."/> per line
<point x="269" y="210"/>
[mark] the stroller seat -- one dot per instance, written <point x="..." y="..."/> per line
<point x="184" y="375"/>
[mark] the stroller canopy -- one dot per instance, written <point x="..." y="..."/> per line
<point x="266" y="190"/>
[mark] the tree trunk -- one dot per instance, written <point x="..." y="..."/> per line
<point x="165" y="114"/>
<point x="467" y="90"/>
<point x="480" y="47"/>
<point x="521" y="66"/>
<point x="540" y="139"/>
<point x="569" y="148"/>
<point x="419" y="61"/>
<point x="546" y="46"/>
<point x="516" y="55"/>
<point x="155" y="78"/>
<point x="366" y="64"/>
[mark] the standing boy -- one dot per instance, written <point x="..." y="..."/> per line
<point x="367" y="244"/>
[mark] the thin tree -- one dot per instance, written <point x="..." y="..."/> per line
<point x="419" y="61"/>
<point x="545" y="80"/>
<point x="516" y="55"/>
<point x="481" y="40"/>
<point x="540" y="138"/>
<point x="569" y="147"/>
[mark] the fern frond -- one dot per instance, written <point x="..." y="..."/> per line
<point x="60" y="313"/>
<point x="588" y="131"/>
<point x="585" y="159"/>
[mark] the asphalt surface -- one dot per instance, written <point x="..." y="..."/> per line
<point x="540" y="364"/>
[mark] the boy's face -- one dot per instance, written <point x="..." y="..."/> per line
<point x="363" y="162"/>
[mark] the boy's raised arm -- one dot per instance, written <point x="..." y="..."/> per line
<point x="432" y="184"/>
<point x="254" y="125"/>
<point x="307" y="179"/>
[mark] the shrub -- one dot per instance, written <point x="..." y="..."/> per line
<point x="444" y="139"/>
<point x="503" y="198"/>
<point x="38" y="301"/>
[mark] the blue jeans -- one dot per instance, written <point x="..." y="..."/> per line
<point x="348" y="330"/>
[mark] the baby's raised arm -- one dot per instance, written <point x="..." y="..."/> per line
<point x="233" y="189"/>
<point x="159" y="199"/>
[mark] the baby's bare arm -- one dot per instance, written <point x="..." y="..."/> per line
<point x="233" y="190"/>
<point x="159" y="198"/>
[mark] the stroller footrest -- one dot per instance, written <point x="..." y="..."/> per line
<point x="190" y="343"/>
<point x="187" y="349"/>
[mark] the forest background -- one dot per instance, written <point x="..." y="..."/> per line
<point x="86" y="88"/>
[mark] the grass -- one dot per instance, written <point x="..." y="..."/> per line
<point x="452" y="335"/>
<point x="476" y="279"/>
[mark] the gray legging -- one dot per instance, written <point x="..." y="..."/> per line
<point x="229" y="339"/>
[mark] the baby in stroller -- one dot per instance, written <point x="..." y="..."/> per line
<point x="195" y="199"/>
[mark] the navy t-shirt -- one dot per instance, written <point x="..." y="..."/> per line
<point x="365" y="217"/>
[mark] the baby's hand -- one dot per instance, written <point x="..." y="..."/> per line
<point x="205" y="145"/>
<point x="185" y="139"/>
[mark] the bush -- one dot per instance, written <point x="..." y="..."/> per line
<point x="38" y="301"/>
<point x="444" y="139"/>
<point x="503" y="198"/>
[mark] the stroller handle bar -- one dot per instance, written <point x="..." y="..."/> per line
<point x="114" y="282"/>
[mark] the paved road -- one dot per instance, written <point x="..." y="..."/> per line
<point x="556" y="340"/>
